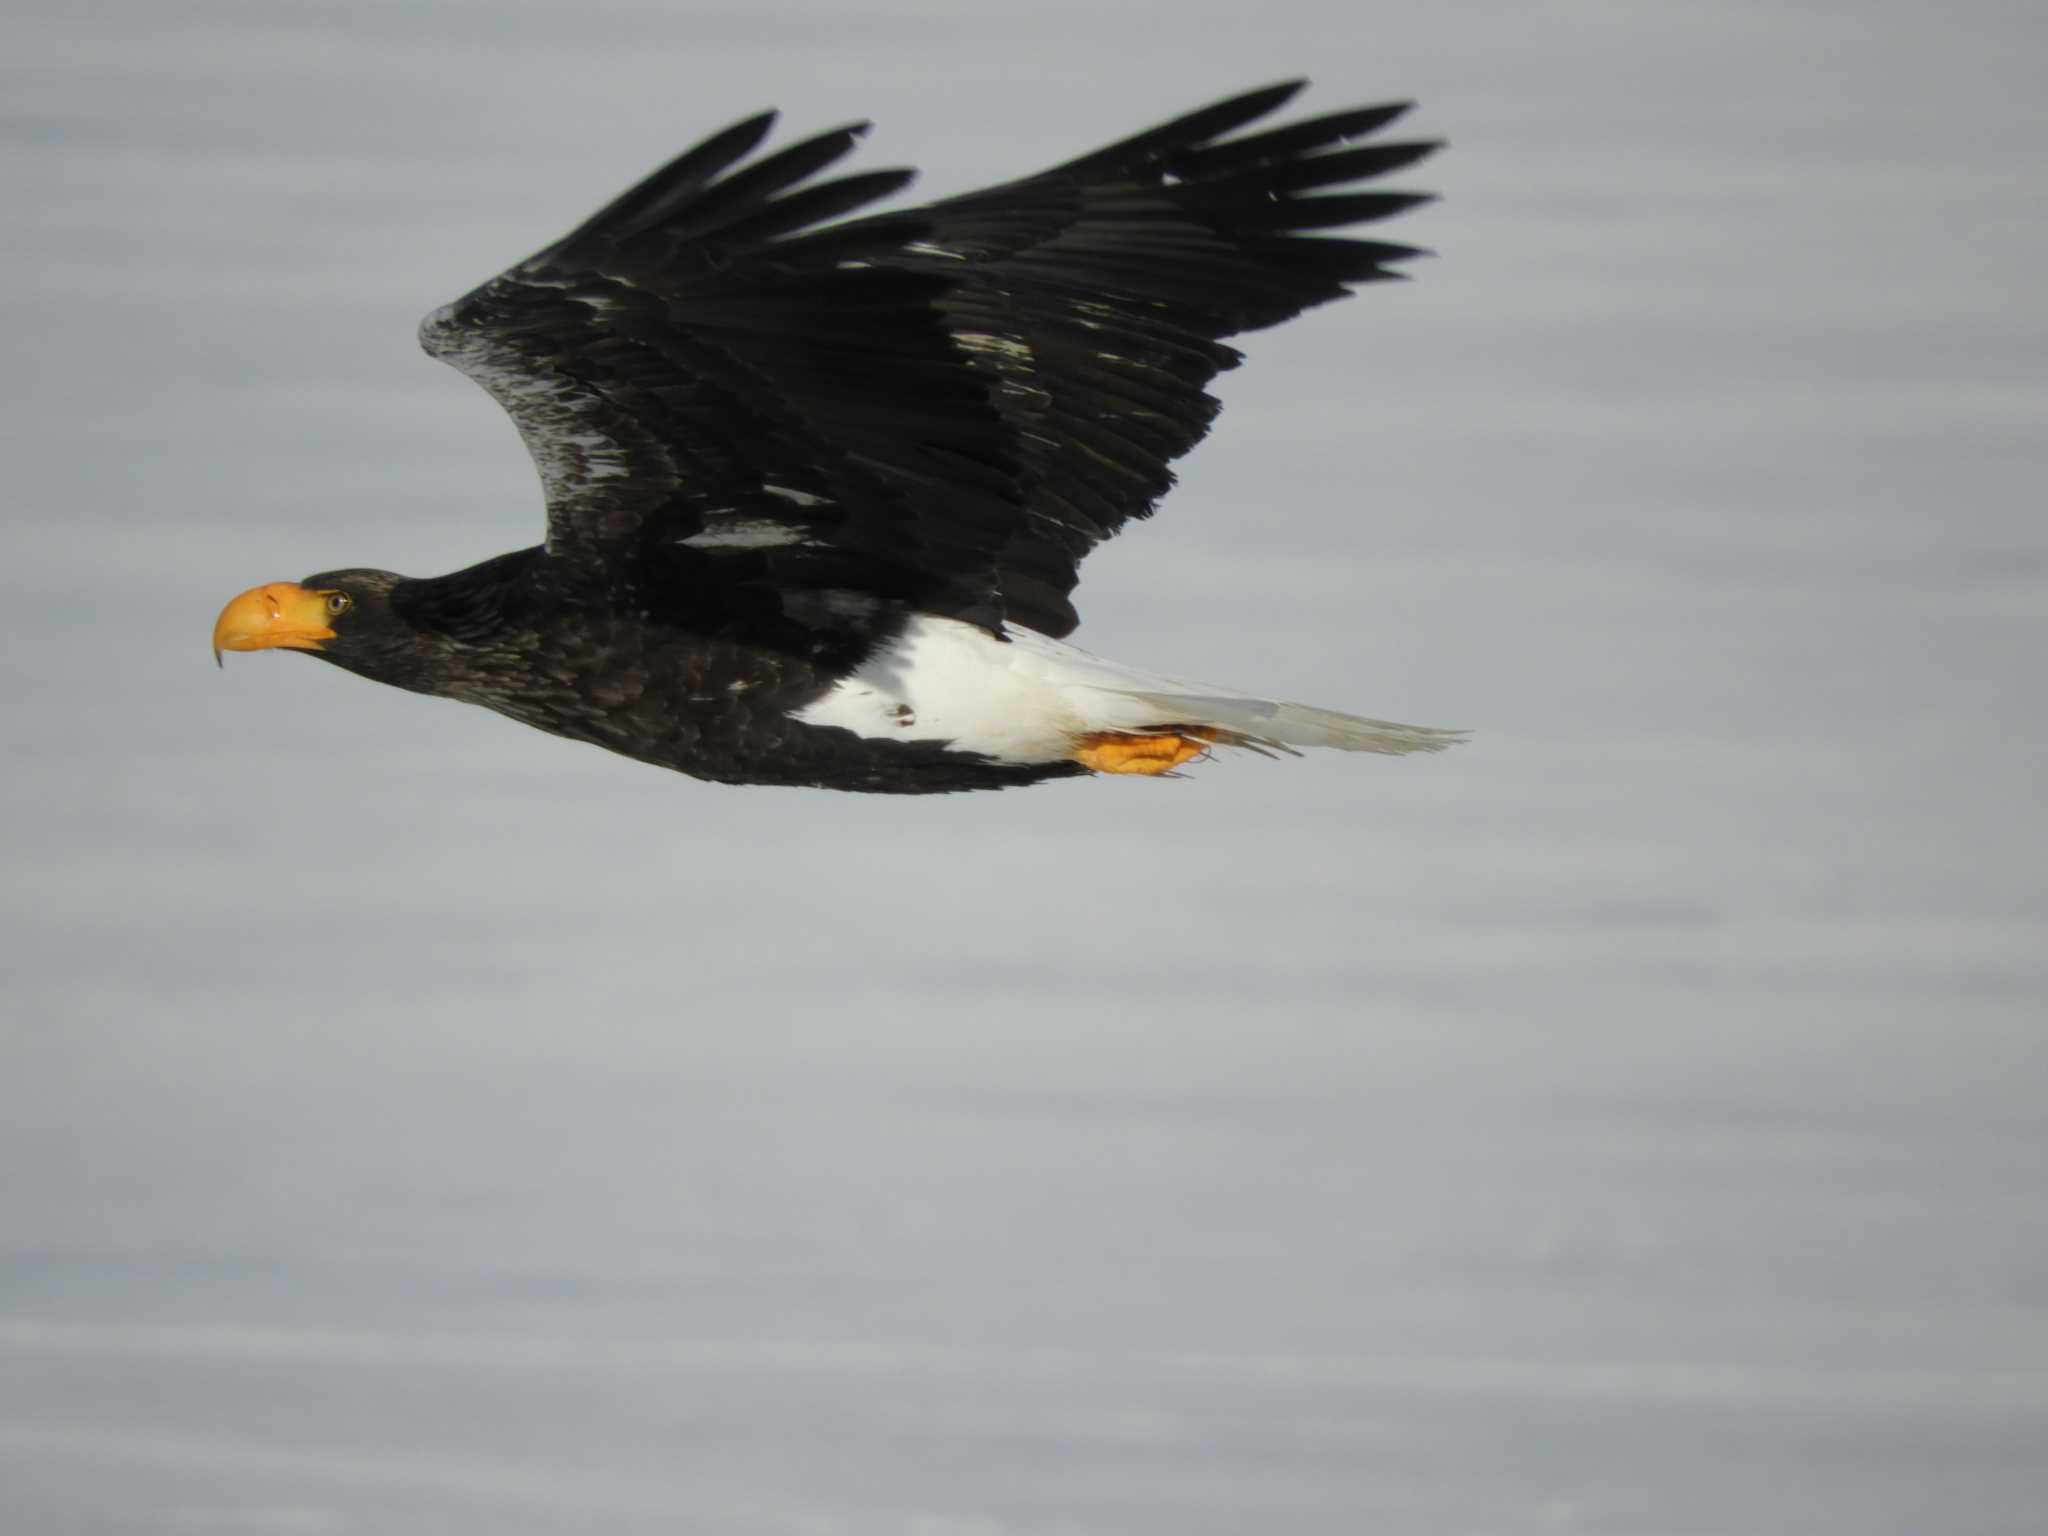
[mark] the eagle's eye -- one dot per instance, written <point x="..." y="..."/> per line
<point x="339" y="603"/>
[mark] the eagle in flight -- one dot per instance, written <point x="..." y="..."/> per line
<point x="818" y="486"/>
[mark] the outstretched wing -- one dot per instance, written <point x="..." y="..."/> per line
<point x="1097" y="296"/>
<point x="949" y="405"/>
<point x="699" y="362"/>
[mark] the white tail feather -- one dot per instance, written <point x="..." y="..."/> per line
<point x="1270" y="723"/>
<point x="1120" y="698"/>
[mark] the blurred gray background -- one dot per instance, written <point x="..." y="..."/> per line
<point x="1632" y="1122"/>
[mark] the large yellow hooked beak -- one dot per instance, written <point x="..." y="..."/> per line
<point x="280" y="614"/>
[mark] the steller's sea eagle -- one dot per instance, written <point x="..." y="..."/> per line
<point x="818" y="487"/>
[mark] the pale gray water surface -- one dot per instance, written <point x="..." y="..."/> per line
<point x="1631" y="1123"/>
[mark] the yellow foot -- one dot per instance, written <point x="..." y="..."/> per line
<point x="1117" y="752"/>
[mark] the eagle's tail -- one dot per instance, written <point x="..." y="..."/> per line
<point x="1139" y="722"/>
<point x="1276" y="725"/>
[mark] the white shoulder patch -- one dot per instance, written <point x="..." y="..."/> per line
<point x="796" y="498"/>
<point x="556" y="415"/>
<point x="744" y="533"/>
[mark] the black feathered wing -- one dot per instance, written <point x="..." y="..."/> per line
<point x="948" y="405"/>
<point x="696" y="362"/>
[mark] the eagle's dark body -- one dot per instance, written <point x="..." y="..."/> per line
<point x="808" y="481"/>
<point x="637" y="669"/>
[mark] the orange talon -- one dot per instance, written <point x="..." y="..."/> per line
<point x="1121" y="752"/>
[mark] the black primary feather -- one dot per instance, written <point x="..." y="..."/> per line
<point x="945" y="406"/>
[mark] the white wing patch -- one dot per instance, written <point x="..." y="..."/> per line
<point x="745" y="533"/>
<point x="796" y="498"/>
<point x="551" y="409"/>
<point x="991" y="345"/>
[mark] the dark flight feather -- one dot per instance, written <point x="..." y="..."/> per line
<point x="946" y="406"/>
